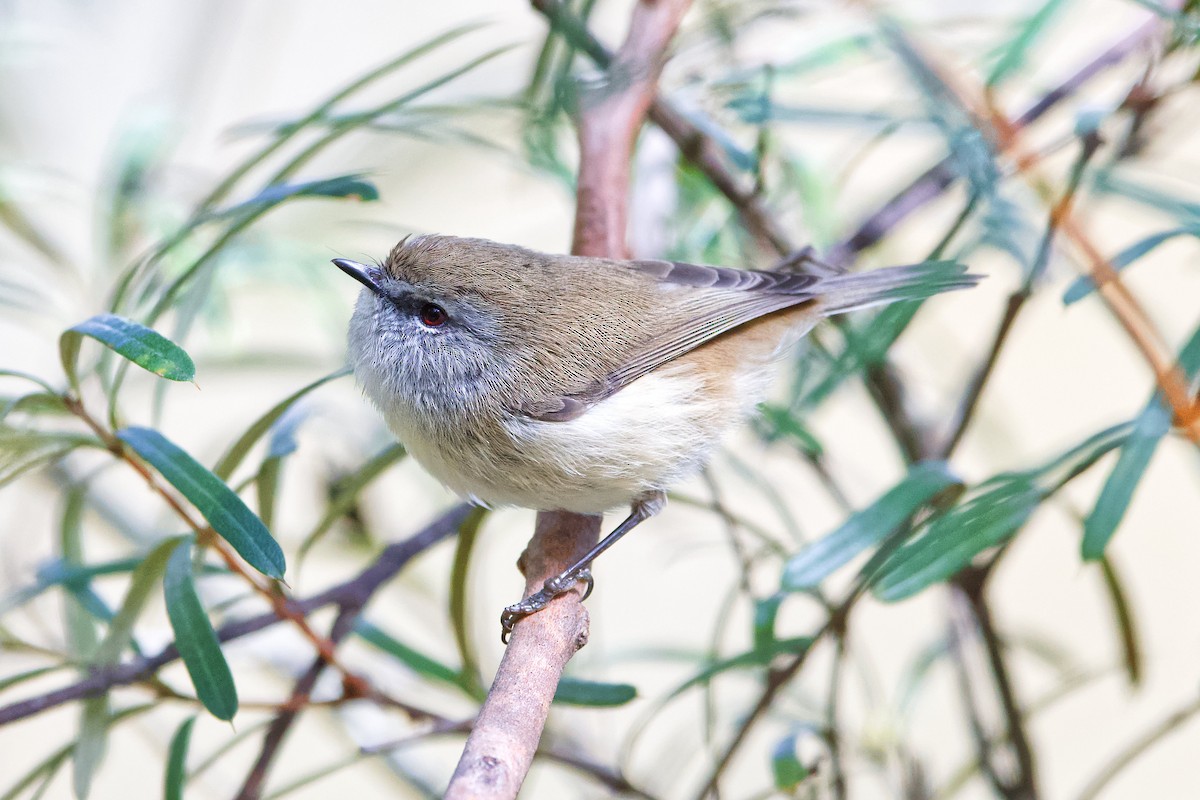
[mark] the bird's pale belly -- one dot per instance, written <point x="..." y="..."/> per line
<point x="649" y="436"/>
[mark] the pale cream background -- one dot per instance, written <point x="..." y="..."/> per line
<point x="77" y="76"/>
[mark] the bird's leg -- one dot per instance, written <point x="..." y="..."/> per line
<point x="642" y="510"/>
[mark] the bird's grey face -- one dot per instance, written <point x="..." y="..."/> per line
<point x="421" y="348"/>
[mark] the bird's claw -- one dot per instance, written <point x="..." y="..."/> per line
<point x="558" y="585"/>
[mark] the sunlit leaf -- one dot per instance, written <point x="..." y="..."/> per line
<point x="868" y="527"/>
<point x="195" y="638"/>
<point x="223" y="509"/>
<point x="147" y="348"/>
<point x="578" y="692"/>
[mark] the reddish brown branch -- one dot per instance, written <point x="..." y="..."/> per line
<point x="505" y="738"/>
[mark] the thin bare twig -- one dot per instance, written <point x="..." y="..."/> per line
<point x="1116" y="764"/>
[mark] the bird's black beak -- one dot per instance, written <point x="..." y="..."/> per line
<point x="367" y="276"/>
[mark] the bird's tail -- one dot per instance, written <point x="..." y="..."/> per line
<point x="856" y="290"/>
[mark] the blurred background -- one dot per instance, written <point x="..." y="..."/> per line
<point x="139" y="174"/>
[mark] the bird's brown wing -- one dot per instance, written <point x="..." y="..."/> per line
<point x="714" y="300"/>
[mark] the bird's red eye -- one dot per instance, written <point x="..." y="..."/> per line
<point x="433" y="315"/>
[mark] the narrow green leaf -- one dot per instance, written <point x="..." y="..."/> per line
<point x="346" y="493"/>
<point x="1125" y="621"/>
<point x="785" y="764"/>
<point x="16" y="373"/>
<point x="1083" y="286"/>
<point x="464" y="546"/>
<point x="778" y="422"/>
<point x="343" y="186"/>
<point x="238" y="450"/>
<point x="37" y="672"/>
<point x="766" y="610"/>
<point x="141" y="584"/>
<point x="1151" y="426"/>
<point x="33" y="404"/>
<point x="147" y="348"/>
<point x="223" y="509"/>
<point x="751" y="658"/>
<point x="866" y="528"/>
<point x="951" y="541"/>
<point x="195" y="638"/>
<point x="415" y="660"/>
<point x="1016" y="51"/>
<point x="266" y="484"/>
<point x="578" y="692"/>
<point x="176" y="775"/>
<point x="22" y="450"/>
<point x="80" y="625"/>
<point x="90" y="743"/>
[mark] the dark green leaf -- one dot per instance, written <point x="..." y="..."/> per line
<point x="238" y="450"/>
<point x="786" y="766"/>
<point x="1083" y="286"/>
<point x="1131" y="649"/>
<point x="951" y="541"/>
<point x="344" y="186"/>
<point x="868" y="527"/>
<point x="752" y="658"/>
<point x="1151" y="425"/>
<point x="777" y="422"/>
<point x="195" y="638"/>
<point x="148" y="349"/>
<point x="578" y="692"/>
<point x="176" y="774"/>
<point x="223" y="509"/>
<point x="1101" y="524"/>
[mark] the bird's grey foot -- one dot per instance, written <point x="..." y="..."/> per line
<point x="559" y="584"/>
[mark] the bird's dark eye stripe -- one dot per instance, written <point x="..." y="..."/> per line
<point x="432" y="315"/>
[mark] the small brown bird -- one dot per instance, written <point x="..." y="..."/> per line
<point x="583" y="384"/>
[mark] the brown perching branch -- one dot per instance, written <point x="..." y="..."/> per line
<point x="504" y="740"/>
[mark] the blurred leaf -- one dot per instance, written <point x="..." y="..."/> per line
<point x="33" y="404"/>
<point x="80" y="626"/>
<point x="785" y="765"/>
<point x="868" y="527"/>
<point x="22" y="449"/>
<point x="1131" y="649"/>
<point x="1007" y="227"/>
<point x="1016" y="51"/>
<point x="1109" y="181"/>
<point x="20" y="225"/>
<point x="459" y="570"/>
<point x="90" y="743"/>
<point x="195" y="638"/>
<point x="992" y="513"/>
<point x="1084" y="285"/>
<point x="1148" y="430"/>
<point x="1101" y="524"/>
<point x="578" y="692"/>
<point x="266" y="484"/>
<point x="347" y="490"/>
<point x="148" y="349"/>
<point x="9" y="681"/>
<point x="14" y="373"/>
<point x="777" y="422"/>
<point x="752" y="658"/>
<point x="753" y="110"/>
<point x="143" y="581"/>
<point x="765" y="612"/>
<point x="344" y="186"/>
<point x="223" y="509"/>
<point x="415" y="660"/>
<point x="176" y="774"/>
<point x="238" y="450"/>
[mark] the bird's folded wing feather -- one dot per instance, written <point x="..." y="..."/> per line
<point x="725" y="298"/>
